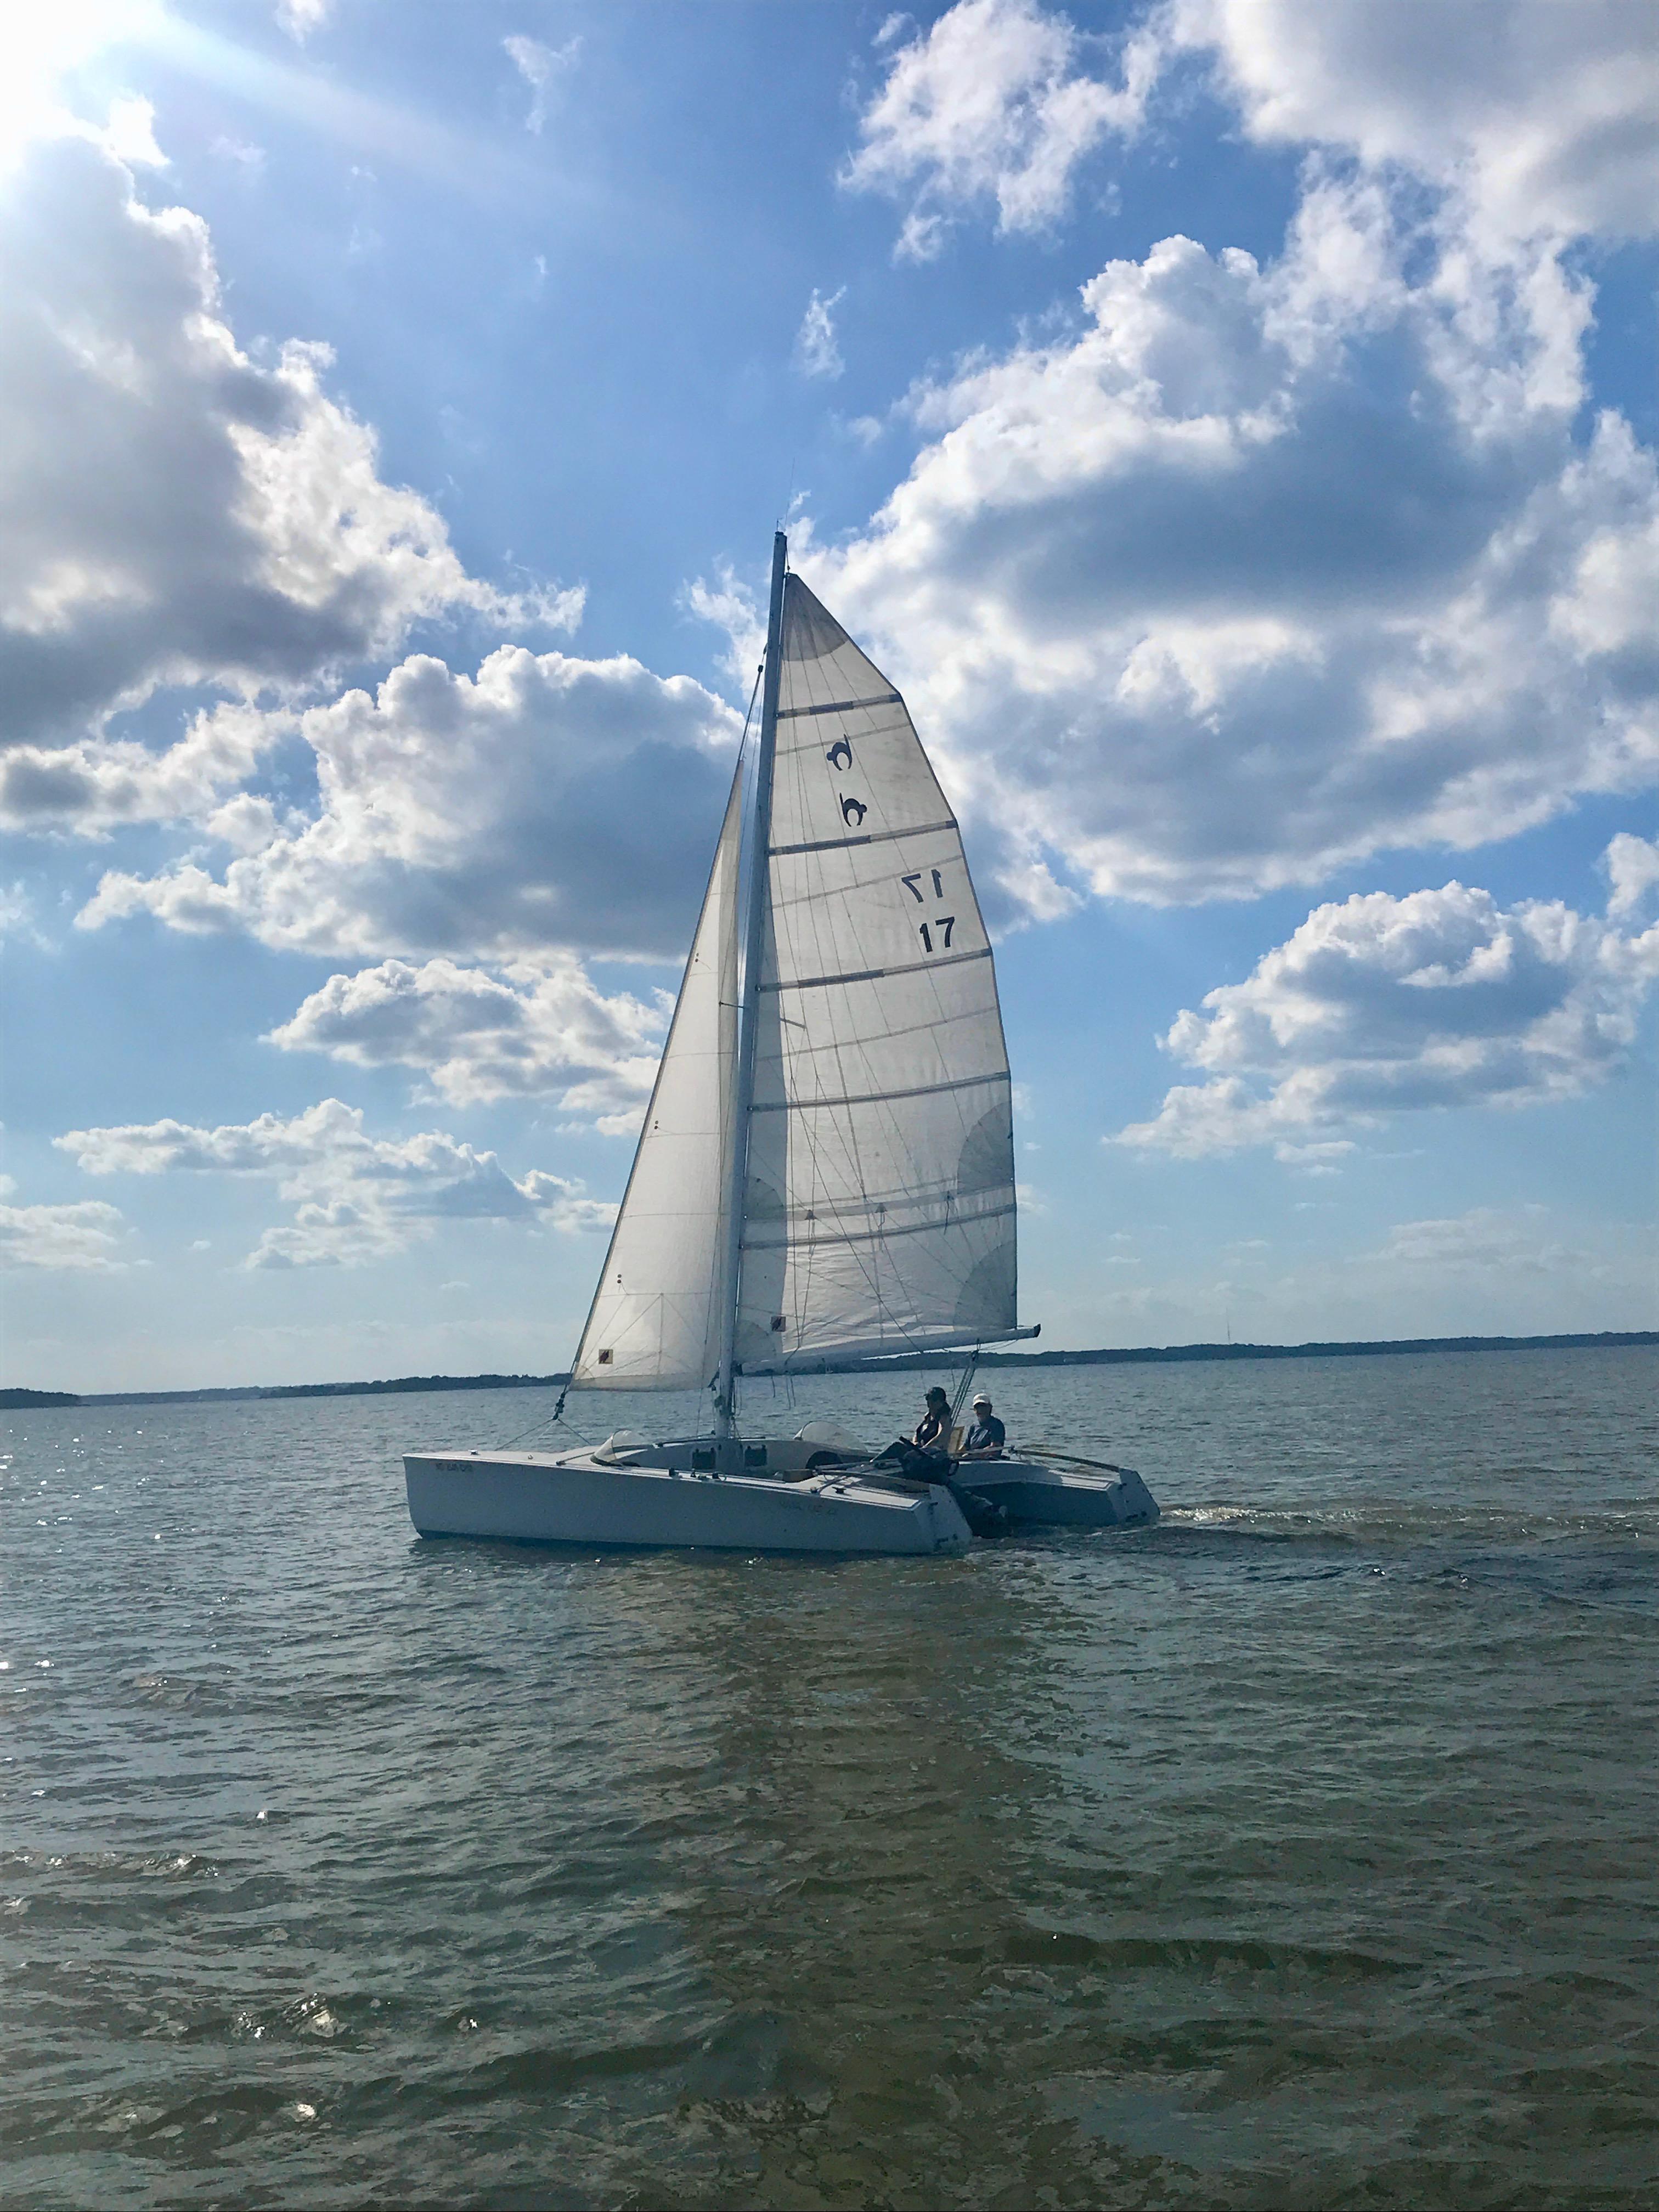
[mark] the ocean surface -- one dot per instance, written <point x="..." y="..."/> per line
<point x="1299" y="1851"/>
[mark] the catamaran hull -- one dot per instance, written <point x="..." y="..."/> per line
<point x="537" y="1497"/>
<point x="1033" y="1495"/>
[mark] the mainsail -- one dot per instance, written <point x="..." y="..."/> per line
<point x="657" y="1313"/>
<point x="878" y="1205"/>
<point x="865" y="1130"/>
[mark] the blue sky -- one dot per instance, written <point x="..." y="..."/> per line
<point x="1233" y="426"/>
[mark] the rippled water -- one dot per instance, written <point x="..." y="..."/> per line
<point x="1296" y="1852"/>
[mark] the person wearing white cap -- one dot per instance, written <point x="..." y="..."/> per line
<point x="987" y="1436"/>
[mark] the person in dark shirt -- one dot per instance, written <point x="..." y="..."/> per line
<point x="931" y="1430"/>
<point x="987" y="1436"/>
<point x="922" y="1455"/>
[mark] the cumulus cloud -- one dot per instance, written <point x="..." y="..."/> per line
<point x="356" y="1198"/>
<point x="1633" y="867"/>
<point x="1379" y="1004"/>
<point x="817" y="352"/>
<point x="1535" y="117"/>
<point x="550" y="802"/>
<point x="995" y="103"/>
<point x="540" y="66"/>
<point x="85" y="1237"/>
<point x="101" y="783"/>
<point x="529" y="1032"/>
<point x="1261" y="570"/>
<point x="172" y="509"/>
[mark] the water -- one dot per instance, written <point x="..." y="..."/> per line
<point x="1296" y="1852"/>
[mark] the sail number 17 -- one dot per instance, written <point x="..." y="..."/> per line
<point x="942" y="924"/>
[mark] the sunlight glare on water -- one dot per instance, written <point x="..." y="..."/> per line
<point x="1296" y="1852"/>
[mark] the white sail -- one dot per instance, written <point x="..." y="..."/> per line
<point x="657" y="1313"/>
<point x="879" y="1211"/>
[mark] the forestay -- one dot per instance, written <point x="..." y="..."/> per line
<point x="879" y="1211"/>
<point x="657" y="1315"/>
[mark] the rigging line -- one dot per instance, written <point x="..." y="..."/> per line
<point x="546" y="1422"/>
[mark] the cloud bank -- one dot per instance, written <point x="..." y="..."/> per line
<point x="356" y="1198"/>
<point x="549" y="802"/>
<point x="84" y="1238"/>
<point x="173" y="511"/>
<point x="1379" y="1006"/>
<point x="1258" y="569"/>
<point x="528" y="1032"/>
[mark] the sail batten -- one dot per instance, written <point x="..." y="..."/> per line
<point x="874" y="837"/>
<point x="871" y="1236"/>
<point x="879" y="1097"/>
<point x="841" y="706"/>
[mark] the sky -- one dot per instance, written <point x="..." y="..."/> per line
<point x="1231" y="423"/>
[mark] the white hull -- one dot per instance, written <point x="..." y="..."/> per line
<point x="544" y="1498"/>
<point x="1034" y="1495"/>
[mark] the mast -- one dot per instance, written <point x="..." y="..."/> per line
<point x="760" y="837"/>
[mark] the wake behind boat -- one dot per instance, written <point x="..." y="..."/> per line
<point x="825" y="1170"/>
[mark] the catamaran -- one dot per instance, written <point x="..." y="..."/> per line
<point x="825" y="1173"/>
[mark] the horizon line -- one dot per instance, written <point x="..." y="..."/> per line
<point x="20" y="1398"/>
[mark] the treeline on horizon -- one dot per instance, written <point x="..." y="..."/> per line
<point x="13" y="1401"/>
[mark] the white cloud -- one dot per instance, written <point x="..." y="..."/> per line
<point x="547" y="803"/>
<point x="1539" y="118"/>
<point x="172" y="509"/>
<point x="531" y="1031"/>
<point x="1485" y="1240"/>
<point x="299" y="18"/>
<point x="356" y="1198"/>
<point x="1382" y="1005"/>
<point x="1633" y="867"/>
<point x="991" y="103"/>
<point x="731" y="606"/>
<point x="1535" y="119"/>
<point x="1260" y="570"/>
<point x="99" y="784"/>
<point x="817" y="352"/>
<point x="16" y="912"/>
<point x="540" y="67"/>
<point x="1191" y="611"/>
<point x="85" y="1237"/>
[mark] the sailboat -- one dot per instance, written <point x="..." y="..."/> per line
<point x="825" y="1172"/>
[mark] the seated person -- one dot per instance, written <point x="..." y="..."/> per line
<point x="987" y="1436"/>
<point x="932" y="1430"/>
<point x="922" y="1455"/>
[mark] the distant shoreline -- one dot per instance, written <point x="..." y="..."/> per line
<point x="18" y="1400"/>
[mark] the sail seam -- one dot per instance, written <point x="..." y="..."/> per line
<point x="877" y="1097"/>
<point x="875" y="975"/>
<point x="840" y="706"/>
<point x="874" y="1236"/>
<point x="870" y="837"/>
